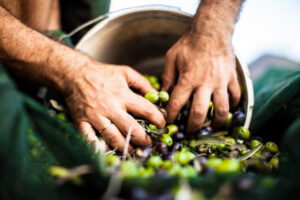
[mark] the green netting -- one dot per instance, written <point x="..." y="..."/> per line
<point x="31" y="141"/>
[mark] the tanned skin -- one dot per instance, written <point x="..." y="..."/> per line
<point x="96" y="92"/>
<point x="203" y="61"/>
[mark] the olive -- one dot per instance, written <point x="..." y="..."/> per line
<point x="113" y="160"/>
<point x="144" y="153"/>
<point x="167" y="139"/>
<point x="146" y="172"/>
<point x="172" y="129"/>
<point x="176" y="147"/>
<point x="153" y="79"/>
<point x="203" y="132"/>
<point x="244" y="151"/>
<point x="254" y="143"/>
<point x="238" y="118"/>
<point x="272" y="147"/>
<point x="163" y="96"/>
<point x="179" y="136"/>
<point x="184" y="157"/>
<point x="241" y="132"/>
<point x="162" y="148"/>
<point x="187" y="172"/>
<point x="275" y="162"/>
<point x="174" y="169"/>
<point x="228" y="165"/>
<point x="129" y="169"/>
<point x="156" y="85"/>
<point x="211" y="104"/>
<point x="152" y="127"/>
<point x="228" y="121"/>
<point x="154" y="161"/>
<point x="193" y="144"/>
<point x="152" y="96"/>
<point x="221" y="147"/>
<point x="167" y="164"/>
<point x="213" y="147"/>
<point x="213" y="162"/>
<point x="230" y="140"/>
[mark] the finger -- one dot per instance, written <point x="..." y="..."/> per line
<point x="199" y="109"/>
<point x="86" y="129"/>
<point x="169" y="74"/>
<point x="111" y="135"/>
<point x="141" y="107"/>
<point x="138" y="135"/>
<point x="235" y="91"/>
<point x="179" y="97"/>
<point x="137" y="81"/>
<point x="220" y="99"/>
<point x="115" y="138"/>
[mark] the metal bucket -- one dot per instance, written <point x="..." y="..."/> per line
<point x="139" y="37"/>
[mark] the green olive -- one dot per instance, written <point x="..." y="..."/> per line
<point x="228" y="121"/>
<point x="167" y="139"/>
<point x="211" y="104"/>
<point x="113" y="160"/>
<point x="156" y="85"/>
<point x="254" y="143"/>
<point x="152" y="96"/>
<point x="230" y="140"/>
<point x="152" y="127"/>
<point x="153" y="79"/>
<point x="213" y="162"/>
<point x="184" y="157"/>
<point x="241" y="132"/>
<point x="187" y="172"/>
<point x="129" y="169"/>
<point x="228" y="165"/>
<point x="272" y="147"/>
<point x="154" y="161"/>
<point x="172" y="129"/>
<point x="146" y="172"/>
<point x="163" y="96"/>
<point x="221" y="146"/>
<point x="174" y="169"/>
<point x="167" y="164"/>
<point x="275" y="162"/>
<point x="244" y="151"/>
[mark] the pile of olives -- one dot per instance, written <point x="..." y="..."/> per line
<point x="175" y="153"/>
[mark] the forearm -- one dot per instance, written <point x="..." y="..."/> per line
<point x="216" y="18"/>
<point x="34" y="56"/>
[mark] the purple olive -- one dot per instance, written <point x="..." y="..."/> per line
<point x="179" y="136"/>
<point x="238" y="118"/>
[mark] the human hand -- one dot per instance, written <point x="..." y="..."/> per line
<point x="99" y="93"/>
<point x="204" y="66"/>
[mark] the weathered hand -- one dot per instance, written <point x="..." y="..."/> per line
<point x="205" y="67"/>
<point x="100" y="92"/>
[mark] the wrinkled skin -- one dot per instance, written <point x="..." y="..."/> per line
<point x="205" y="68"/>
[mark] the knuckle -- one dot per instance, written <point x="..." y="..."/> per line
<point x="186" y="80"/>
<point x="174" y="104"/>
<point x="222" y="112"/>
<point x="111" y="138"/>
<point x="198" y="112"/>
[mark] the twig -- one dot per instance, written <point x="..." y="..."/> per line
<point x="125" y="150"/>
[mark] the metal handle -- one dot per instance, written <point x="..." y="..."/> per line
<point x="92" y="21"/>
